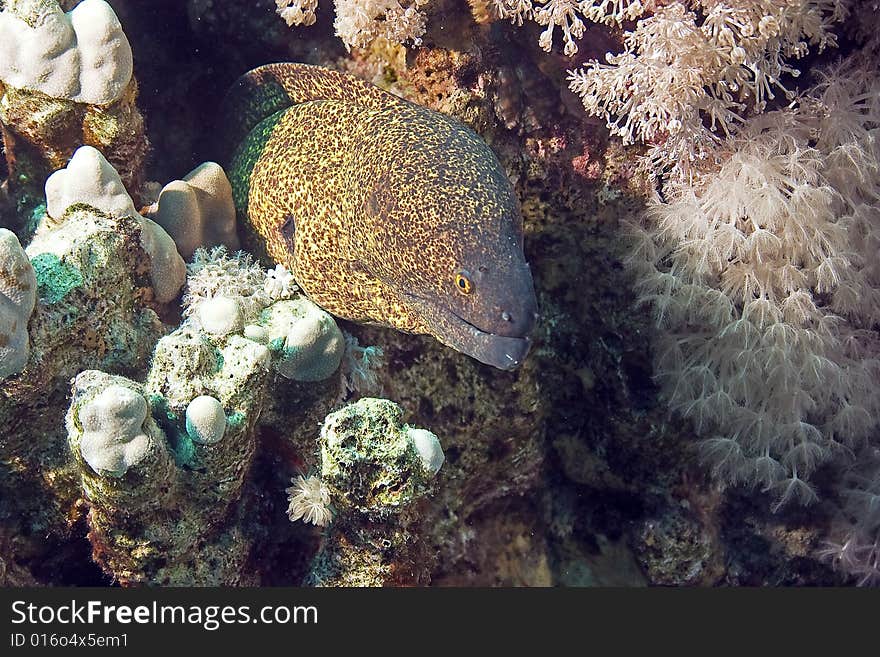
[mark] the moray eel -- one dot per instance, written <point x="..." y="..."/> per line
<point x="386" y="212"/>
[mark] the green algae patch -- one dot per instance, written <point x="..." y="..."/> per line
<point x="236" y="421"/>
<point x="55" y="279"/>
<point x="181" y="445"/>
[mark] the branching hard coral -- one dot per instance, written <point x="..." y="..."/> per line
<point x="763" y="275"/>
<point x="160" y="488"/>
<point x="92" y="311"/>
<point x="163" y="464"/>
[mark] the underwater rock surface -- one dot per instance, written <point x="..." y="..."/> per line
<point x="175" y="411"/>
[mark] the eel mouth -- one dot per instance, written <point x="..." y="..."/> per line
<point x="503" y="352"/>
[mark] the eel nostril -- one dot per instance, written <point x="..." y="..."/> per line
<point x="506" y="316"/>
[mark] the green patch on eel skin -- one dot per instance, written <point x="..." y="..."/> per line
<point x="386" y="212"/>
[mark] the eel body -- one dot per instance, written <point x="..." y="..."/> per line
<point x="386" y="212"/>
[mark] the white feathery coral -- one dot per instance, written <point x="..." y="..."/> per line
<point x="562" y="14"/>
<point x="297" y="12"/>
<point x="359" y="22"/>
<point x="280" y="283"/>
<point x="309" y="500"/>
<point x="361" y="366"/>
<point x="214" y="273"/>
<point x="763" y="275"/>
<point x="695" y="63"/>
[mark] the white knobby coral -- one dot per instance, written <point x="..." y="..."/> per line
<point x="18" y="294"/>
<point x="113" y="437"/>
<point x="81" y="56"/>
<point x="310" y="500"/>
<point x="306" y="342"/>
<point x="227" y="295"/>
<point x="219" y="316"/>
<point x="89" y="179"/>
<point x="198" y="210"/>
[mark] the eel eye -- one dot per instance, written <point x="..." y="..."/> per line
<point x="463" y="283"/>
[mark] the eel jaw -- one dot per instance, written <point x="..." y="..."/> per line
<point x="503" y="352"/>
<point x="499" y="351"/>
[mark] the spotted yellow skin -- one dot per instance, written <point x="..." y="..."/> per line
<point x="376" y="204"/>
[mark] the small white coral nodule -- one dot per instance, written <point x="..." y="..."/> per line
<point x="309" y="500"/>
<point x="219" y="315"/>
<point x="205" y="420"/>
<point x="427" y="444"/>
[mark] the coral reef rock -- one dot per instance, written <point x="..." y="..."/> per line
<point x="377" y="470"/>
<point x="91" y="180"/>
